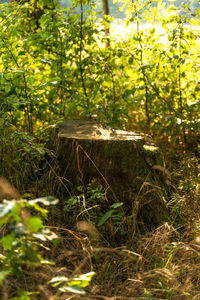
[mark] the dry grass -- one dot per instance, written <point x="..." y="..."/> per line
<point x="162" y="264"/>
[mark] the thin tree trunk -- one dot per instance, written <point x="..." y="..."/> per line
<point x="105" y="6"/>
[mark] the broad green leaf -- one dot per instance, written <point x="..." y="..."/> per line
<point x="15" y="213"/>
<point x="4" y="220"/>
<point x="86" y="276"/>
<point x="82" y="280"/>
<point x="3" y="275"/>
<point x="38" y="208"/>
<point x="34" y="224"/>
<point x="7" y="241"/>
<point x="115" y="205"/>
<point x="105" y="217"/>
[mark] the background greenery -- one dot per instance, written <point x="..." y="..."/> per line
<point x="114" y="6"/>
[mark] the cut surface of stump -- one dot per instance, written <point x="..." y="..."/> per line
<point x="125" y="163"/>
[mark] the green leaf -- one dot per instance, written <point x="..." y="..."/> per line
<point x="23" y="295"/>
<point x="45" y="235"/>
<point x="7" y="241"/>
<point x="73" y="289"/>
<point x="2" y="257"/>
<point x="4" y="220"/>
<point x="6" y="207"/>
<point x="47" y="262"/>
<point x="34" y="224"/>
<point x="130" y="60"/>
<point x="193" y="22"/>
<point x="30" y="255"/>
<point x="15" y="213"/>
<point x="55" y="281"/>
<point x="105" y="217"/>
<point x="43" y="211"/>
<point x="82" y="280"/>
<point x="49" y="200"/>
<point x="3" y="275"/>
<point x="73" y="285"/>
<point x="115" y="205"/>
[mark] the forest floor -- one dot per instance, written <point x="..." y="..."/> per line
<point x="161" y="264"/>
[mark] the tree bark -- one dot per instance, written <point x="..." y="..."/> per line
<point x="105" y="6"/>
<point x="36" y="13"/>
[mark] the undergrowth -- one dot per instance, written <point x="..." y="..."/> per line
<point x="162" y="264"/>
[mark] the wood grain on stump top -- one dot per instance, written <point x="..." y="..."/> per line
<point x="89" y="129"/>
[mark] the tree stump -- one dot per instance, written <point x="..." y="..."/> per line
<point x="127" y="164"/>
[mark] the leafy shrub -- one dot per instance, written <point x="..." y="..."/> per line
<point x="23" y="235"/>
